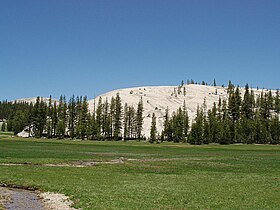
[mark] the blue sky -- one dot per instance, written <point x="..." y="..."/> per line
<point x="88" y="47"/>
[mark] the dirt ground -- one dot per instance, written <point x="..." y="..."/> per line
<point x="14" y="199"/>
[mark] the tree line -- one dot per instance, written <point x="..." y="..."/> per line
<point x="239" y="119"/>
<point x="246" y="119"/>
<point x="72" y="119"/>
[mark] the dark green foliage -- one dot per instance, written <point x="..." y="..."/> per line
<point x="153" y="132"/>
<point x="39" y="117"/>
<point x="247" y="119"/>
<point x="139" y="119"/>
<point x="62" y="118"/>
<point x="117" y="117"/>
<point x="72" y="116"/>
<point x="178" y="125"/>
<point x="277" y="102"/>
<point x="196" y="133"/>
<point x="4" y="127"/>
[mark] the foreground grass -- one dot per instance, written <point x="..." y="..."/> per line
<point x="164" y="176"/>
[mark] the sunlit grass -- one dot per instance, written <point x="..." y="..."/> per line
<point x="151" y="176"/>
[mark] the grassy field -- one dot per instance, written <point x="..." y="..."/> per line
<point x="151" y="176"/>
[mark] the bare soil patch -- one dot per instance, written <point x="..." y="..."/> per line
<point x="13" y="197"/>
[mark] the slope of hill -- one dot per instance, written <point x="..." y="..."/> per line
<point x="157" y="98"/>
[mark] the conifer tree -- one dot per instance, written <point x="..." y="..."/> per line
<point x="40" y="116"/>
<point x="277" y="102"/>
<point x="178" y="126"/>
<point x="117" y="117"/>
<point x="19" y="121"/>
<point x="49" y="121"/>
<point x="72" y="116"/>
<point x="247" y="105"/>
<point x="167" y="126"/>
<point x="275" y="130"/>
<point x="153" y="132"/>
<point x="112" y="113"/>
<point x="54" y="118"/>
<point x="185" y="121"/>
<point x="62" y="117"/>
<point x="139" y="119"/>
<point x="196" y="133"/>
<point x="83" y="118"/>
<point x="106" y="123"/>
<point x="3" y="127"/>
<point x="99" y="112"/>
<point x="125" y="123"/>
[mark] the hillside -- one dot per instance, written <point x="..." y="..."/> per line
<point x="157" y="98"/>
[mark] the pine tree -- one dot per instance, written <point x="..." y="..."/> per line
<point x="178" y="126"/>
<point x="112" y="113"/>
<point x="54" y="118"/>
<point x="167" y="128"/>
<point x="117" y="117"/>
<point x="39" y="117"/>
<point x="184" y="91"/>
<point x="213" y="120"/>
<point x="61" y="123"/>
<point x="196" y="133"/>
<point x="99" y="112"/>
<point x="275" y="130"/>
<point x="83" y="118"/>
<point x="3" y="127"/>
<point x="185" y="121"/>
<point x="72" y="116"/>
<point x="153" y="132"/>
<point x="247" y="104"/>
<point x="206" y="130"/>
<point x="139" y="119"/>
<point x="277" y="102"/>
<point x="49" y="121"/>
<point x="106" y="124"/>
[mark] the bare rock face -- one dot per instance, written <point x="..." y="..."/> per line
<point x="157" y="98"/>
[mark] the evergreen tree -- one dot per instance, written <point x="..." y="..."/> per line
<point x="48" y="120"/>
<point x="3" y="127"/>
<point x="185" y="121"/>
<point x="106" y="122"/>
<point x="139" y="119"/>
<point x="167" y="126"/>
<point x="99" y="112"/>
<point x="275" y="130"/>
<point x="247" y="104"/>
<point x="153" y="132"/>
<point x="112" y="113"/>
<point x="196" y="133"/>
<point x="54" y="118"/>
<point x="62" y="117"/>
<point x="213" y="120"/>
<point x="72" y="116"/>
<point x="277" y="102"/>
<point x="19" y="122"/>
<point x="125" y="123"/>
<point x="83" y="118"/>
<point x="117" y="117"/>
<point x="178" y="126"/>
<point x="39" y="117"/>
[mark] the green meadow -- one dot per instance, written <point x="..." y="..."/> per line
<point x="140" y="175"/>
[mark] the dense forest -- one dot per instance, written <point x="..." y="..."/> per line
<point x="237" y="120"/>
<point x="240" y="119"/>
